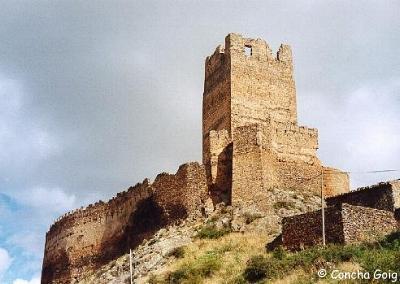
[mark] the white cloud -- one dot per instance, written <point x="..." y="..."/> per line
<point x="5" y="261"/>
<point x="35" y="280"/>
<point x="30" y="242"/>
<point x="47" y="199"/>
<point x="23" y="139"/>
<point x="359" y="133"/>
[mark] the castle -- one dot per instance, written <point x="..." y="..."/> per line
<point x="252" y="143"/>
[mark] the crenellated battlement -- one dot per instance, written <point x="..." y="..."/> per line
<point x="91" y="210"/>
<point x="247" y="48"/>
<point x="90" y="236"/>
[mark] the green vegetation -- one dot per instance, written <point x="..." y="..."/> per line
<point x="250" y="217"/>
<point x="283" y="204"/>
<point x="238" y="258"/>
<point x="383" y="255"/>
<point x="209" y="231"/>
<point x="178" y="252"/>
<point x="195" y="271"/>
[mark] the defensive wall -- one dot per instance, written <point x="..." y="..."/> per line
<point x="344" y="224"/>
<point x="384" y="196"/>
<point x="88" y="238"/>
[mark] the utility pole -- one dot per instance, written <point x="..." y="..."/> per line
<point x="130" y="265"/>
<point x="322" y="207"/>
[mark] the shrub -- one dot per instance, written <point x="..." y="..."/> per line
<point x="282" y="262"/>
<point x="193" y="272"/>
<point x="260" y="267"/>
<point x="209" y="231"/>
<point x="250" y="217"/>
<point x="279" y="253"/>
<point x="283" y="204"/>
<point x="178" y="252"/>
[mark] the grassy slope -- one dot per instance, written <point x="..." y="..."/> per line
<point x="240" y="258"/>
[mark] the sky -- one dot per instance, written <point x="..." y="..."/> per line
<point x="97" y="95"/>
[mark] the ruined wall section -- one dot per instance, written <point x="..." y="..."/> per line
<point x="294" y="143"/>
<point x="216" y="97"/>
<point x="88" y="238"/>
<point x="344" y="224"/>
<point x="78" y="239"/>
<point x="379" y="196"/>
<point x="248" y="182"/>
<point x="305" y="230"/>
<point x="366" y="224"/>
<point x="262" y="85"/>
<point x="219" y="168"/>
<point x="182" y="194"/>
<point x="395" y="185"/>
<point x="258" y="165"/>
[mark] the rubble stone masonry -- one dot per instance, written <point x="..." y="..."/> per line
<point x="87" y="238"/>
<point x="250" y="113"/>
<point x="384" y="196"/>
<point x="344" y="224"/>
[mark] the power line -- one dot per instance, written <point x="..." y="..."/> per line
<point x="374" y="172"/>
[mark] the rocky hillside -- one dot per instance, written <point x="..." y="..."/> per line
<point x="216" y="248"/>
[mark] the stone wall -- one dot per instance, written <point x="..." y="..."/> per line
<point x="260" y="164"/>
<point x="366" y="224"/>
<point x="344" y="224"/>
<point x="218" y="163"/>
<point x="182" y="194"/>
<point x="395" y="185"/>
<point x="248" y="182"/>
<point x="305" y="230"/>
<point x="262" y="84"/>
<point x="216" y="98"/>
<point x="397" y="217"/>
<point x="336" y="182"/>
<point x="249" y="103"/>
<point x="383" y="196"/>
<point x="88" y="238"/>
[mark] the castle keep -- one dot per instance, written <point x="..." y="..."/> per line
<point x="252" y="143"/>
<point x="251" y="138"/>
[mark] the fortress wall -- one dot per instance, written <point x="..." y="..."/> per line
<point x="335" y="182"/>
<point x="397" y="217"/>
<point x="247" y="166"/>
<point x="378" y="196"/>
<point x="216" y="99"/>
<point x="366" y="224"/>
<point x="85" y="239"/>
<point x="77" y="241"/>
<point x="256" y="168"/>
<point x="216" y="96"/>
<point x="219" y="170"/>
<point x="217" y="142"/>
<point x="305" y="230"/>
<point x="395" y="184"/>
<point x="182" y="194"/>
<point x="262" y="85"/>
<point x="295" y="143"/>
<point x="300" y="176"/>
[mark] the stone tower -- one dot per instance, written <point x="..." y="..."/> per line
<point x="251" y="140"/>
